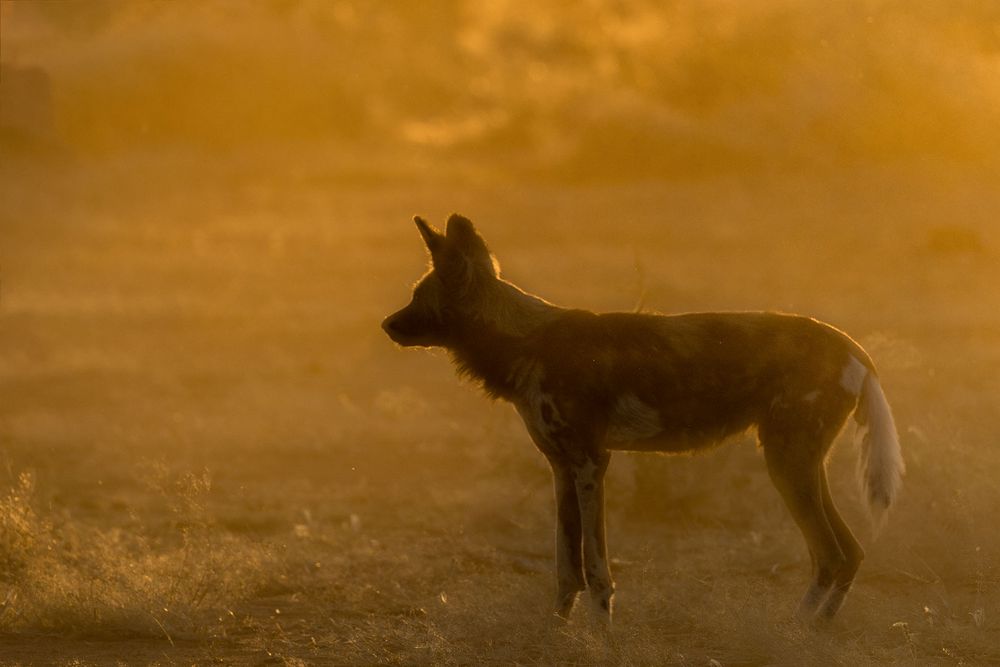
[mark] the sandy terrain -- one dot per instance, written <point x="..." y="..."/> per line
<point x="211" y="453"/>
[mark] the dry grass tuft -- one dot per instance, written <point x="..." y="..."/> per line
<point x="63" y="576"/>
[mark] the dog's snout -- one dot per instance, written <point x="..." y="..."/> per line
<point x="396" y="327"/>
<point x="390" y="325"/>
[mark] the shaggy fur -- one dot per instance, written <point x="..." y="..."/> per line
<point x="587" y="383"/>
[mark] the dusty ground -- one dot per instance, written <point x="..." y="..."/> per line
<point x="212" y="455"/>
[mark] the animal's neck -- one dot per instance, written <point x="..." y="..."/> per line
<point x="491" y="343"/>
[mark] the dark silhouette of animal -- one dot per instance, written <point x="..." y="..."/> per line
<point x="587" y="383"/>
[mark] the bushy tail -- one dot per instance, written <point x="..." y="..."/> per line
<point x="880" y="461"/>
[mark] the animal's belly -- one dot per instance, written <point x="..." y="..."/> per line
<point x="637" y="426"/>
<point x="675" y="441"/>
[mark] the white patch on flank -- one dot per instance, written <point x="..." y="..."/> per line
<point x="853" y="376"/>
<point x="632" y="420"/>
<point x="811" y="396"/>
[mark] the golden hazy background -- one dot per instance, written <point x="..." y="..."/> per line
<point x="604" y="88"/>
<point x="210" y="452"/>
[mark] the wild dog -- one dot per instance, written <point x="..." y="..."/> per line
<point x="586" y="384"/>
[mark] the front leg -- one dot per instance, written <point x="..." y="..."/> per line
<point x="569" y="554"/>
<point x="589" y="481"/>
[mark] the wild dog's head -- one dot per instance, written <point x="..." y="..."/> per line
<point x="461" y="265"/>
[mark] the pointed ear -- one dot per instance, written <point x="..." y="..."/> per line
<point x="458" y="226"/>
<point x="433" y="239"/>
<point x="462" y="235"/>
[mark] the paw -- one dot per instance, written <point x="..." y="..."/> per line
<point x="565" y="601"/>
<point x="811" y="602"/>
<point x="602" y="605"/>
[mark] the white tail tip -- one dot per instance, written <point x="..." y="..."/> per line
<point x="880" y="463"/>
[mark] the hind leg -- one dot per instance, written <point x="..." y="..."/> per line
<point x="849" y="545"/>
<point x="796" y="468"/>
